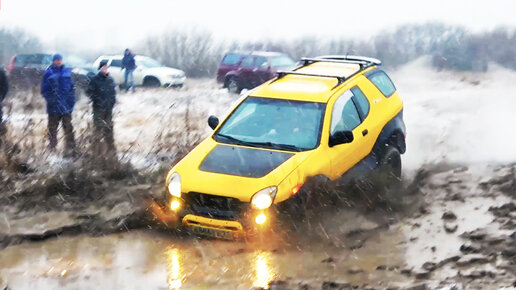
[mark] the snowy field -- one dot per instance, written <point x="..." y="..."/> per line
<point x="454" y="227"/>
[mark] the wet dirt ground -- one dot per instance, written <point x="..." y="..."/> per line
<point x="453" y="226"/>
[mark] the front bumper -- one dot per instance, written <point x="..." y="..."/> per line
<point x="173" y="82"/>
<point x="221" y="217"/>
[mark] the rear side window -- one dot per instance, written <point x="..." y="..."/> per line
<point x="247" y="62"/>
<point x="260" y="61"/>
<point x="231" y="59"/>
<point x="382" y="82"/>
<point x="362" y="102"/>
<point x="116" y="63"/>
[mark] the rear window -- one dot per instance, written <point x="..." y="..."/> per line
<point x="382" y="82"/>
<point x="231" y="59"/>
<point x="116" y="63"/>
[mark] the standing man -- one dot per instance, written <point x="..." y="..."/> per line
<point x="101" y="91"/>
<point x="130" y="65"/>
<point x="58" y="89"/>
<point x="4" y="87"/>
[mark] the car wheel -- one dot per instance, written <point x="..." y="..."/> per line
<point x="391" y="163"/>
<point x="234" y="86"/>
<point x="151" y="82"/>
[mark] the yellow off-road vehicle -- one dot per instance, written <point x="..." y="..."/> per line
<point x="329" y="115"/>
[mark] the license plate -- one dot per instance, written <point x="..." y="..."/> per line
<point x="219" y="234"/>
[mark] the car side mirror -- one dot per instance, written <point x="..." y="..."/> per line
<point x="213" y="122"/>
<point x="341" y="137"/>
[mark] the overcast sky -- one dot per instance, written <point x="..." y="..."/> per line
<point x="112" y="23"/>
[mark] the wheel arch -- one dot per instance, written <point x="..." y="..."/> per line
<point x="393" y="133"/>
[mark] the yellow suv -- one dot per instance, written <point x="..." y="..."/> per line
<point x="329" y="115"/>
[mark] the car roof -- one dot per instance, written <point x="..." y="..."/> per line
<point x="309" y="88"/>
<point x="256" y="53"/>
<point x="120" y="56"/>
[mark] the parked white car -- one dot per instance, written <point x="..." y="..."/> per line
<point x="148" y="73"/>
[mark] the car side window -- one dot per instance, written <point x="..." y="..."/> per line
<point x="247" y="62"/>
<point x="116" y="63"/>
<point x="382" y="82"/>
<point x="260" y="62"/>
<point x="344" y="115"/>
<point x="361" y="102"/>
<point x="231" y="59"/>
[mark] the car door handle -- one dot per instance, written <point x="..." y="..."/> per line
<point x="365" y="132"/>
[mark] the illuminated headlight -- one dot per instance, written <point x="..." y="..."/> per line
<point x="174" y="185"/>
<point x="263" y="199"/>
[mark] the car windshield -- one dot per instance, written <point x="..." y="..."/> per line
<point x="149" y="62"/>
<point x="74" y="61"/>
<point x="282" y="61"/>
<point x="274" y="123"/>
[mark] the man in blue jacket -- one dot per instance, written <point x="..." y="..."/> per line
<point x="130" y="65"/>
<point x="58" y="89"/>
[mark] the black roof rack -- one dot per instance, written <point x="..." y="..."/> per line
<point x="340" y="79"/>
<point x="362" y="61"/>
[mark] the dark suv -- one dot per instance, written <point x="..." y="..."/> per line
<point x="26" y="70"/>
<point x="239" y="71"/>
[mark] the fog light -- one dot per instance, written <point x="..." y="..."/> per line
<point x="260" y="219"/>
<point x="174" y="205"/>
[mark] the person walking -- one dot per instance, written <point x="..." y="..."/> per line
<point x="58" y="90"/>
<point x="102" y="93"/>
<point x="129" y="64"/>
<point x="4" y="87"/>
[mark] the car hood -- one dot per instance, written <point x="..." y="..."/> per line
<point x="163" y="71"/>
<point x="234" y="171"/>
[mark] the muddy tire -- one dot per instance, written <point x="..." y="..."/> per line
<point x="151" y="82"/>
<point x="387" y="184"/>
<point x="234" y="86"/>
<point x="390" y="164"/>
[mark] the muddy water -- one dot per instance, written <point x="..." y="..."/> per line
<point x="152" y="260"/>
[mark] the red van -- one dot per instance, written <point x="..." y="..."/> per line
<point x="239" y="71"/>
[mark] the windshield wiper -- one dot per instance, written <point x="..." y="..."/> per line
<point x="276" y="146"/>
<point x="235" y="140"/>
<point x="261" y="144"/>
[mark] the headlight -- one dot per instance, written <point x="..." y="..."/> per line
<point x="174" y="185"/>
<point x="263" y="199"/>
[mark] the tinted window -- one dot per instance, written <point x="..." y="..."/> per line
<point x="383" y="83"/>
<point x="362" y="102"/>
<point x="247" y="62"/>
<point x="231" y="59"/>
<point x="33" y="59"/>
<point x="345" y="115"/>
<point x="116" y="63"/>
<point x="282" y="61"/>
<point x="260" y="61"/>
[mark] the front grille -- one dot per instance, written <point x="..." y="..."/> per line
<point x="214" y="206"/>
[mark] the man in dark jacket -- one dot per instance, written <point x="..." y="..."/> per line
<point x="129" y="64"/>
<point x="58" y="89"/>
<point x="101" y="91"/>
<point x="4" y="87"/>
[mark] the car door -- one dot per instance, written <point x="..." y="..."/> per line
<point x="262" y="70"/>
<point x="245" y="72"/>
<point x="348" y="114"/>
<point x="115" y="71"/>
<point x="139" y="73"/>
